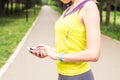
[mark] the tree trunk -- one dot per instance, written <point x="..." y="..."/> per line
<point x="2" y="7"/>
<point x="108" y="9"/>
<point x="101" y="10"/>
<point x="115" y="11"/>
<point x="11" y="11"/>
<point x="7" y="7"/>
<point x="26" y="10"/>
<point x="34" y="7"/>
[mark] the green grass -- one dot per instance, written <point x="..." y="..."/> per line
<point x="12" y="30"/>
<point x="111" y="30"/>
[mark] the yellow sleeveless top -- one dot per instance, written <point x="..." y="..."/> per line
<point x="70" y="37"/>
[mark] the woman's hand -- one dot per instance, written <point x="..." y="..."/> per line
<point x="39" y="51"/>
<point x="43" y="51"/>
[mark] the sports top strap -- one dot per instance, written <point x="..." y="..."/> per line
<point x="79" y="6"/>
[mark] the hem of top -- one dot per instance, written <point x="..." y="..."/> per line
<point x="74" y="74"/>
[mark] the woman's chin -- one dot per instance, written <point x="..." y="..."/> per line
<point x="65" y="2"/>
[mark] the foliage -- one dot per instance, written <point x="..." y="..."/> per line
<point x="51" y="2"/>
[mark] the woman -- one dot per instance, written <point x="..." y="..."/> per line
<point x="78" y="41"/>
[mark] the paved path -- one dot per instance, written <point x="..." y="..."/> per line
<point x="29" y="67"/>
<point x="108" y="67"/>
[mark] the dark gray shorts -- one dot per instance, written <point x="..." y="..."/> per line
<point x="85" y="76"/>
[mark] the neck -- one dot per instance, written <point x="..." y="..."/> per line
<point x="76" y="1"/>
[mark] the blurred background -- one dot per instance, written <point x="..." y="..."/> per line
<point x="17" y="16"/>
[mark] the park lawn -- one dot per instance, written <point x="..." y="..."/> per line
<point x="111" y="30"/>
<point x="12" y="30"/>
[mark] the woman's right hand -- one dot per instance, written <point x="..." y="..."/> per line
<point x="39" y="51"/>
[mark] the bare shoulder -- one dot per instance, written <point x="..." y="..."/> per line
<point x="90" y="5"/>
<point x="89" y="8"/>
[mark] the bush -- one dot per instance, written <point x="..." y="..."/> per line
<point x="111" y="31"/>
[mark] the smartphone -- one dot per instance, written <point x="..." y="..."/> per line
<point x="30" y="49"/>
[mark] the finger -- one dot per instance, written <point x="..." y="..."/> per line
<point x="41" y="45"/>
<point x="31" y="51"/>
<point x="39" y="54"/>
<point x="42" y="53"/>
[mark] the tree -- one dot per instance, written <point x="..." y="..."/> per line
<point x="101" y="9"/>
<point x="11" y="11"/>
<point x="108" y="9"/>
<point x="2" y="6"/>
<point x="115" y="10"/>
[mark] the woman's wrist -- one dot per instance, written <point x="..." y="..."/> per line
<point x="57" y="57"/>
<point x="61" y="57"/>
